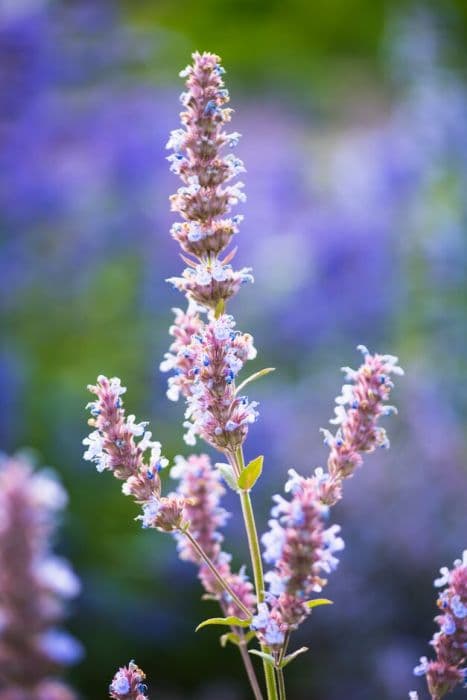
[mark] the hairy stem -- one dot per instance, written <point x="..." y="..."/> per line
<point x="200" y="551"/>
<point x="257" y="564"/>
<point x="246" y="658"/>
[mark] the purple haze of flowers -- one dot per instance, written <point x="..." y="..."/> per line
<point x="34" y="586"/>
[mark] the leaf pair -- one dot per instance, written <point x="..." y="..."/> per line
<point x="248" y="477"/>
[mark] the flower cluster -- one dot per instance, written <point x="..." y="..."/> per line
<point x="214" y="410"/>
<point x="179" y="359"/>
<point x="34" y="586"/>
<point x="124" y="447"/>
<point x="200" y="485"/>
<point x="450" y="643"/>
<point x="205" y="196"/>
<point x="128" y="683"/>
<point x="302" y="550"/>
<point x="358" y="410"/>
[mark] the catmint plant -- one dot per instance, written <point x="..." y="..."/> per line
<point x="205" y="359"/>
<point x="34" y="586"/>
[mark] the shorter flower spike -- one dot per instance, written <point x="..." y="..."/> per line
<point x="450" y="643"/>
<point x="301" y="549"/>
<point x="114" y="446"/>
<point x="128" y="683"/>
<point x="201" y="487"/>
<point x="358" y="410"/>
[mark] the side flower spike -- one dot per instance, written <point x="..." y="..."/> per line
<point x="124" y="447"/>
<point x="357" y="413"/>
<point x="450" y="642"/>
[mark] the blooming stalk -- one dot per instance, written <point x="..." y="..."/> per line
<point x="449" y="669"/>
<point x="128" y="683"/>
<point x="205" y="357"/>
<point x="34" y="586"/>
<point x="113" y="446"/>
<point x="358" y="410"/>
<point x="302" y="551"/>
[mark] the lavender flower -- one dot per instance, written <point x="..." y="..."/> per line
<point x="128" y="683"/>
<point x="450" y="643"/>
<point x="300" y="548"/>
<point x="187" y="325"/>
<point x="112" y="446"/>
<point x="206" y="196"/>
<point x="201" y="487"/>
<point x="358" y="410"/>
<point x="214" y="411"/>
<point x="34" y="586"/>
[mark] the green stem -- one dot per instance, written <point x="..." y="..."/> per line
<point x="246" y="658"/>
<point x="200" y="551"/>
<point x="281" y="683"/>
<point x="257" y="564"/>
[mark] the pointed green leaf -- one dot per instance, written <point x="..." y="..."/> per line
<point x="290" y="657"/>
<point x="229" y="621"/>
<point x="228" y="474"/>
<point x="266" y="657"/>
<point x="318" y="601"/>
<point x="253" y="377"/>
<point x="251" y="473"/>
<point x="229" y="637"/>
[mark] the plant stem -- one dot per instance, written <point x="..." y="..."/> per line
<point x="200" y="551"/>
<point x="246" y="658"/>
<point x="281" y="683"/>
<point x="257" y="564"/>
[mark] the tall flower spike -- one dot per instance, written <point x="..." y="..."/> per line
<point x="128" y="683"/>
<point x="113" y="446"/>
<point x="358" y="410"/>
<point x="206" y="197"/>
<point x="34" y="586"/>
<point x="200" y="485"/>
<point x="301" y="549"/>
<point x="450" y="643"/>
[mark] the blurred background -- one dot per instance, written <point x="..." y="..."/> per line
<point x="353" y="115"/>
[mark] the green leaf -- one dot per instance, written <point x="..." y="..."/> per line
<point x="290" y="657"/>
<point x="266" y="657"/>
<point x="228" y="475"/>
<point x="237" y="639"/>
<point x="229" y="637"/>
<point x="318" y="601"/>
<point x="220" y="308"/>
<point x="251" y="473"/>
<point x="254" y="376"/>
<point x="231" y="621"/>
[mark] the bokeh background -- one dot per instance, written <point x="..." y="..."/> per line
<point x="355" y="142"/>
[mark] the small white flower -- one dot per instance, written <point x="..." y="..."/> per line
<point x="443" y="580"/>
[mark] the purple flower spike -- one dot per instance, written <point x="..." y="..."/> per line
<point x="128" y="683"/>
<point x="301" y="549"/>
<point x="113" y="446"/>
<point x="450" y="643"/>
<point x="200" y="159"/>
<point x="358" y="410"/>
<point x="201" y="487"/>
<point x="34" y="586"/>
